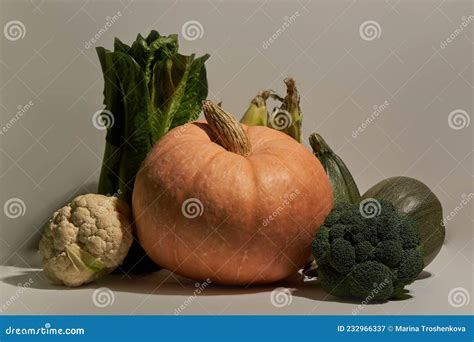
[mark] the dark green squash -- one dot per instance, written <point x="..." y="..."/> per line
<point x="415" y="199"/>
<point x="343" y="185"/>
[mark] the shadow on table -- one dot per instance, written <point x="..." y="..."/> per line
<point x="165" y="282"/>
<point x="315" y="292"/>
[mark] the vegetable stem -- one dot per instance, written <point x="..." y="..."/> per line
<point x="319" y="145"/>
<point x="257" y="113"/>
<point x="228" y="132"/>
<point x="291" y="104"/>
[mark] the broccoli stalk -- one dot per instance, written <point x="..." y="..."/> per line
<point x="369" y="255"/>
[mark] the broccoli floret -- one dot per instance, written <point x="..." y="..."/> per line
<point x="337" y="231"/>
<point x="371" y="280"/>
<point x="389" y="252"/>
<point x="371" y="257"/>
<point x="321" y="244"/>
<point x="364" y="251"/>
<point x="333" y="282"/>
<point x="410" y="266"/>
<point x="342" y="255"/>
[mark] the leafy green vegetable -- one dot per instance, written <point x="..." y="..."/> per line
<point x="149" y="88"/>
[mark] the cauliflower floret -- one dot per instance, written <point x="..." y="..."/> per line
<point x="87" y="238"/>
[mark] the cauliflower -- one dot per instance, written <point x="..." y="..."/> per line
<point x="86" y="239"/>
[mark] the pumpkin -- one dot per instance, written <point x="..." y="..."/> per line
<point x="234" y="204"/>
<point x="417" y="201"/>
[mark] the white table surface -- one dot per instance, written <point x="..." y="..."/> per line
<point x="163" y="293"/>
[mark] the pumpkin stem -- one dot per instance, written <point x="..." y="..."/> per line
<point x="319" y="145"/>
<point x="228" y="132"/>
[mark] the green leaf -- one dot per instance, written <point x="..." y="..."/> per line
<point x="154" y="48"/>
<point x="195" y="92"/>
<point x="120" y="47"/>
<point x="133" y="118"/>
<point x="168" y="85"/>
<point x="83" y="260"/>
<point x="149" y="88"/>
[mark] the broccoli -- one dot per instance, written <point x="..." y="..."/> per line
<point x="371" y="257"/>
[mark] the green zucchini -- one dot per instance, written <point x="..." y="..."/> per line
<point x="343" y="185"/>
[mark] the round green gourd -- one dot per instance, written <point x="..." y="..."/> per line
<point x="417" y="201"/>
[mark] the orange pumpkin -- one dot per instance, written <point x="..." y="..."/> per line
<point x="230" y="203"/>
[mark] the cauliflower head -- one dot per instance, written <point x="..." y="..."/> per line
<point x="86" y="239"/>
